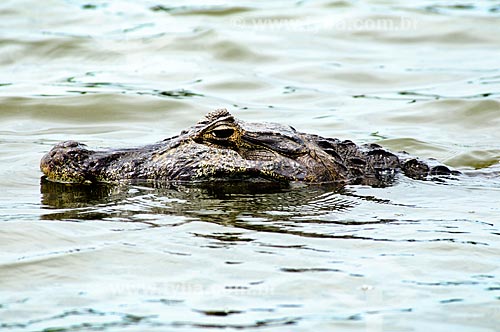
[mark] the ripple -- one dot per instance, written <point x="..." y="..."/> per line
<point x="301" y="270"/>
<point x="221" y="10"/>
<point x="139" y="257"/>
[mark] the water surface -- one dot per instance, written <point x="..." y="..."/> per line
<point x="417" y="76"/>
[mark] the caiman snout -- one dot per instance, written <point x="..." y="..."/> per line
<point x="66" y="162"/>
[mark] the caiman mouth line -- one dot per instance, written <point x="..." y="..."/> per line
<point x="222" y="148"/>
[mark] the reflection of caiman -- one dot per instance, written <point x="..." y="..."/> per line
<point x="220" y="147"/>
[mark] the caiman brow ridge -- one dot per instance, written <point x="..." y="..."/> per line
<point x="222" y="148"/>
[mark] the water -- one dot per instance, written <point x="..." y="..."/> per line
<point x="420" y="76"/>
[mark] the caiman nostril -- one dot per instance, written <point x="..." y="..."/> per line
<point x="71" y="144"/>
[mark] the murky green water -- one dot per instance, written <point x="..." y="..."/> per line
<point x="423" y="76"/>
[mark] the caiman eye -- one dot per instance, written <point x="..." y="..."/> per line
<point x="222" y="133"/>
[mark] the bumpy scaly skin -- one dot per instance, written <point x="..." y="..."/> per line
<point x="220" y="147"/>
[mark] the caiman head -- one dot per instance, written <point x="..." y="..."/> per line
<point x="219" y="147"/>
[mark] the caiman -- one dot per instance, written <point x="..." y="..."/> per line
<point x="222" y="148"/>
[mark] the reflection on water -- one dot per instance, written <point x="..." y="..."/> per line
<point x="421" y="76"/>
<point x="230" y="204"/>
